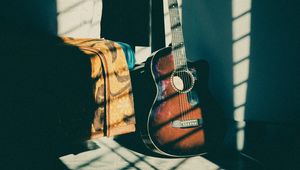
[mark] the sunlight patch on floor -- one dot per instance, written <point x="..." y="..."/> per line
<point x="111" y="155"/>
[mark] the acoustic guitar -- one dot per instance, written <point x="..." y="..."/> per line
<point x="175" y="123"/>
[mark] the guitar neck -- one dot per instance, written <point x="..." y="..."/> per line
<point x="178" y="47"/>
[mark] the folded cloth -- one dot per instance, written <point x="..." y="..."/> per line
<point x="112" y="91"/>
<point x="129" y="54"/>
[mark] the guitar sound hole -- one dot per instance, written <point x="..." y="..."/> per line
<point x="182" y="81"/>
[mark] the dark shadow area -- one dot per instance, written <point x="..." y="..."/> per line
<point x="228" y="159"/>
<point x="272" y="100"/>
<point x="274" y="66"/>
<point x="273" y="86"/>
<point x="46" y="89"/>
<point x="126" y="21"/>
<point x="143" y="95"/>
<point x="276" y="145"/>
<point x="29" y="16"/>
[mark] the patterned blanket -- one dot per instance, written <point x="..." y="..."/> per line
<point x="112" y="86"/>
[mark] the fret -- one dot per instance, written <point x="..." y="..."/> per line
<point x="178" y="48"/>
<point x="177" y="36"/>
<point x="179" y="54"/>
<point x="173" y="5"/>
<point x="175" y="15"/>
<point x="176" y="25"/>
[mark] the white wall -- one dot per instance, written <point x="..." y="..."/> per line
<point x="78" y="18"/>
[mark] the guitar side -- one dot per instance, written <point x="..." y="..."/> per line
<point x="175" y="121"/>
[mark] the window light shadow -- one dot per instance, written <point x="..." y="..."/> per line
<point x="87" y="16"/>
<point x="241" y="36"/>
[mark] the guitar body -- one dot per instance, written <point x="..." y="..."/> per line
<point x="175" y="121"/>
<point x="183" y="119"/>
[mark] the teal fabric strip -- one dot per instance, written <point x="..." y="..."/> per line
<point x="129" y="54"/>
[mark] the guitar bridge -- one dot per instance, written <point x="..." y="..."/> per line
<point x="187" y="123"/>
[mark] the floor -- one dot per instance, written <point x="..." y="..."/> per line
<point x="110" y="154"/>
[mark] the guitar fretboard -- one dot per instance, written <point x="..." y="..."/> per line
<point x="178" y="48"/>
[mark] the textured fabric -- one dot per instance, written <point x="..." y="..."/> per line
<point x="114" y="113"/>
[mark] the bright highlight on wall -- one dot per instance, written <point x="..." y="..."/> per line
<point x="79" y="18"/>
<point x="241" y="29"/>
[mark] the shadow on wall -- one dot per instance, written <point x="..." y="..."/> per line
<point x="273" y="86"/>
<point x="126" y="21"/>
<point x="252" y="48"/>
<point x="45" y="87"/>
<point x="65" y="18"/>
<point x="208" y="36"/>
<point x="33" y="15"/>
<point x="221" y="34"/>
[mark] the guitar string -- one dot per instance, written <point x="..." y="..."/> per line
<point x="183" y="64"/>
<point x="184" y="104"/>
<point x="188" y="81"/>
<point x="180" y="95"/>
<point x="179" y="54"/>
<point x="184" y="75"/>
<point x="175" y="57"/>
<point x="181" y="73"/>
<point x="175" y="39"/>
<point x="185" y="85"/>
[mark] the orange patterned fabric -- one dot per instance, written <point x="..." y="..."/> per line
<point x="112" y="86"/>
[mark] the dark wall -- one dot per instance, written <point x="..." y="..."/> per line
<point x="126" y="21"/>
<point x="273" y="85"/>
<point x="33" y="15"/>
<point x="208" y="35"/>
<point x="40" y="81"/>
<point x="274" y="93"/>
